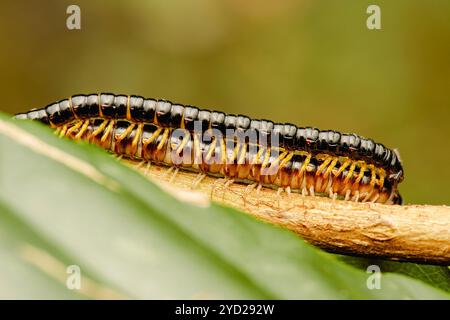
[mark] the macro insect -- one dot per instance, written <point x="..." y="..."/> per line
<point x="255" y="152"/>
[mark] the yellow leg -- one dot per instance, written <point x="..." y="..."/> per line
<point x="350" y="172"/>
<point x="82" y="130"/>
<point x="197" y="180"/>
<point x="223" y="151"/>
<point x="184" y="142"/>
<point x="147" y="168"/>
<point x="136" y="138"/>
<point x="382" y="177"/>
<point x="324" y="164"/>
<point x="152" y="137"/>
<point x="74" y="127"/>
<point x="305" y="164"/>
<point x="373" y="178"/>
<point x="343" y="167"/>
<point x="100" y="128"/>
<point x="211" y="149"/>
<point x="258" y="154"/>
<point x="163" y="139"/>
<point x="242" y="154"/>
<point x="330" y="167"/>
<point x="63" y="131"/>
<point x="172" y="178"/>
<point x="108" y="130"/>
<point x="125" y="133"/>
<point x="362" y="169"/>
<point x="286" y="159"/>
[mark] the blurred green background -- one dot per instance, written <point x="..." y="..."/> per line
<point x="306" y="62"/>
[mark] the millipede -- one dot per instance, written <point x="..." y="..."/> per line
<point x="255" y="152"/>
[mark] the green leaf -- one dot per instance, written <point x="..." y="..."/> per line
<point x="64" y="203"/>
<point x="437" y="276"/>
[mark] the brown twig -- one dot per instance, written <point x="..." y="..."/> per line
<point x="419" y="233"/>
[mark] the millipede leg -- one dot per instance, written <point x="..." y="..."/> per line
<point x="356" y="196"/>
<point x="350" y="172"/>
<point x="258" y="193"/>
<point x="311" y="191"/>
<point x="343" y="167"/>
<point x="147" y="168"/>
<point x="247" y="191"/>
<point x="172" y="178"/>
<point x="373" y="178"/>
<point x="137" y="137"/>
<point x="304" y="165"/>
<point x="391" y="195"/>
<point x="279" y="191"/>
<point x="347" y="195"/>
<point x="140" y="164"/>
<point x="63" y="131"/>
<point x="215" y="184"/>
<point x="183" y="142"/>
<point x="107" y="131"/>
<point x="227" y="183"/>
<point x="100" y="128"/>
<point x="324" y="164"/>
<point x="330" y="167"/>
<point x="362" y="170"/>
<point x="288" y="191"/>
<point x="197" y="180"/>
<point x="152" y="137"/>
<point x="375" y="198"/>
<point x="168" y="172"/>
<point x="382" y="176"/>
<point x="163" y="139"/>
<point x="74" y="127"/>
<point x="125" y="133"/>
<point x="82" y="130"/>
<point x="211" y="149"/>
<point x="286" y="159"/>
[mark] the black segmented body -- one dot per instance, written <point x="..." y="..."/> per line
<point x="162" y="113"/>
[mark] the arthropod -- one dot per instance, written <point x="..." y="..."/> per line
<point x="278" y="155"/>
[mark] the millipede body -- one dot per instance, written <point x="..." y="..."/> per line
<point x="278" y="155"/>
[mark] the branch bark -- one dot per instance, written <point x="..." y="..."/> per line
<point x="415" y="233"/>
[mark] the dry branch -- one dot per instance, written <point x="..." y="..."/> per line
<point x="419" y="233"/>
